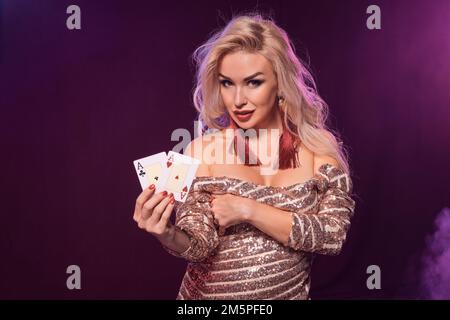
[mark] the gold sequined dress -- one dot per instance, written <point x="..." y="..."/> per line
<point x="246" y="263"/>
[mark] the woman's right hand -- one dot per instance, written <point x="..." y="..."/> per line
<point x="152" y="213"/>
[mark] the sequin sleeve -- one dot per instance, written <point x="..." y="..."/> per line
<point x="195" y="219"/>
<point x="325" y="231"/>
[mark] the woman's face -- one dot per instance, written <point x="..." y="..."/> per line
<point x="248" y="87"/>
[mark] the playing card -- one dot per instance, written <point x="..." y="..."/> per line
<point x="181" y="173"/>
<point x="152" y="170"/>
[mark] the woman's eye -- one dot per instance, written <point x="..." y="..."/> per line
<point x="225" y="83"/>
<point x="255" y="83"/>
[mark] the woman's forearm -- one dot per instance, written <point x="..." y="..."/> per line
<point x="274" y="222"/>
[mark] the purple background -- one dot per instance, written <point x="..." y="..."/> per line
<point x="77" y="107"/>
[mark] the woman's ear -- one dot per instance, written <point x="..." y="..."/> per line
<point x="282" y="104"/>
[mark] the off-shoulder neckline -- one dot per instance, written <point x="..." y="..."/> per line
<point x="254" y="184"/>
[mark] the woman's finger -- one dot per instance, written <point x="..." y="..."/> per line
<point x="216" y="222"/>
<point x="159" y="209"/>
<point x="149" y="206"/>
<point x="167" y="213"/>
<point x="218" y="192"/>
<point x="141" y="199"/>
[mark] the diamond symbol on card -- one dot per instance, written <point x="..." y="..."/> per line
<point x="177" y="177"/>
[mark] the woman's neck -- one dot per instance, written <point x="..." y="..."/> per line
<point x="268" y="134"/>
<point x="273" y="121"/>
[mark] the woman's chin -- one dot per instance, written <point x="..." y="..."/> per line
<point x="244" y="125"/>
<point x="250" y="124"/>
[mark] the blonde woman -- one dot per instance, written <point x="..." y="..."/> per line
<point x="249" y="235"/>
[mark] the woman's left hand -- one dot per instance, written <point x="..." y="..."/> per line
<point x="229" y="209"/>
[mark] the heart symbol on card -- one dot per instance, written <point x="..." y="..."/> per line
<point x="185" y="189"/>
<point x="169" y="164"/>
<point x="177" y="177"/>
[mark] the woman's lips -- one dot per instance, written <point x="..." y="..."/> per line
<point x="244" y="115"/>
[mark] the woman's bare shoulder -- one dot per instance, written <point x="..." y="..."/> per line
<point x="318" y="160"/>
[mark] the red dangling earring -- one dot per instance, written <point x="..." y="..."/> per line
<point x="288" y="148"/>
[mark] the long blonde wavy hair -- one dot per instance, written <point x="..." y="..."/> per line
<point x="305" y="110"/>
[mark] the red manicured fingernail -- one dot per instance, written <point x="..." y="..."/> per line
<point x="164" y="193"/>
<point x="172" y="200"/>
<point x="171" y="195"/>
<point x="152" y="186"/>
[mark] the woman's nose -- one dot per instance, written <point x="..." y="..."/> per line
<point x="239" y="98"/>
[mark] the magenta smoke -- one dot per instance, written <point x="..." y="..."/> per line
<point x="435" y="275"/>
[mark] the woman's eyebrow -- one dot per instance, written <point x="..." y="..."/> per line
<point x="246" y="78"/>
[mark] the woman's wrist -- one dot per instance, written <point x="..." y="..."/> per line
<point x="169" y="237"/>
<point x="176" y="240"/>
<point x="249" y="210"/>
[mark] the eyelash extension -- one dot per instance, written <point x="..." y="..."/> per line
<point x="256" y="82"/>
